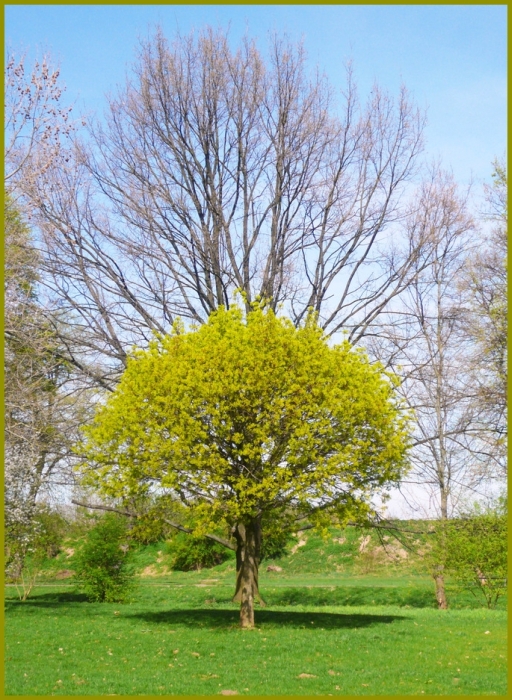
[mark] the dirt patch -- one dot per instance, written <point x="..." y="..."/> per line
<point x="295" y="547"/>
<point x="339" y="540"/>
<point x="365" y="541"/>
<point x="64" y="573"/>
<point x="69" y="551"/>
<point x="149" y="571"/>
<point x="392" y="551"/>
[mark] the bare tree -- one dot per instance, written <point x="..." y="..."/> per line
<point x="423" y="339"/>
<point x="216" y="171"/>
<point x="35" y="121"/>
<point x="483" y="283"/>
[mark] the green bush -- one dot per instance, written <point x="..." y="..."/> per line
<point x="274" y="543"/>
<point x="103" y="564"/>
<point x="52" y="529"/>
<point x="476" y="553"/>
<point x="189" y="552"/>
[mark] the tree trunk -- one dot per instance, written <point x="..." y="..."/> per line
<point x="248" y="538"/>
<point x="438" y="574"/>
<point x="239" y="536"/>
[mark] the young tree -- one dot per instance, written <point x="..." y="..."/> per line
<point x="473" y="549"/>
<point x="103" y="563"/>
<point x="217" y="170"/>
<point x="422" y="341"/>
<point x="248" y="417"/>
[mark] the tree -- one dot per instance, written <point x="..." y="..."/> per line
<point x="42" y="408"/>
<point x="473" y="549"/>
<point x="35" y="121"/>
<point x="484" y="285"/>
<point x="217" y="170"/>
<point x="40" y="403"/>
<point x="421" y="339"/>
<point x="247" y="417"/>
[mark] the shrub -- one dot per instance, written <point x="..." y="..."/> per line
<point x="103" y="564"/>
<point x="52" y="529"/>
<point x="189" y="552"/>
<point x="274" y="542"/>
<point x="476" y="554"/>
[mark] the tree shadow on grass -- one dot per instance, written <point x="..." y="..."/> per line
<point x="50" y="599"/>
<point x="351" y="595"/>
<point x="221" y="619"/>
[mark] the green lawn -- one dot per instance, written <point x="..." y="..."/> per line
<point x="319" y="635"/>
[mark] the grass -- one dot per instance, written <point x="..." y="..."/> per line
<point x="180" y="636"/>
<point x="341" y="619"/>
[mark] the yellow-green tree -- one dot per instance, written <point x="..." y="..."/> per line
<point x="250" y="418"/>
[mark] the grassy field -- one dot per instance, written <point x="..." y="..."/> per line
<point x="344" y="630"/>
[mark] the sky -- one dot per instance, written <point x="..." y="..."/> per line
<point x="452" y="58"/>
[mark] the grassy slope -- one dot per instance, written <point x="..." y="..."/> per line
<point x="307" y="553"/>
<point x="352" y="566"/>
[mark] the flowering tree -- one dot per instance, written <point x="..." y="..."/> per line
<point x="42" y="407"/>
<point x="246" y="418"/>
<point x="34" y="119"/>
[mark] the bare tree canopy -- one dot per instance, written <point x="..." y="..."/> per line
<point x="217" y="170"/>
<point x="34" y="118"/>
<point x="484" y="286"/>
<point x="428" y="336"/>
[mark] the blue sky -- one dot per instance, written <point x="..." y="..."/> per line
<point x="451" y="57"/>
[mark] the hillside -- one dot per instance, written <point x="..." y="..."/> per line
<point x="351" y="551"/>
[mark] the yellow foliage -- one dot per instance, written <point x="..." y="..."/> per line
<point x="246" y="415"/>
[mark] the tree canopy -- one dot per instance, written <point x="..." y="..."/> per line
<point x="248" y="415"/>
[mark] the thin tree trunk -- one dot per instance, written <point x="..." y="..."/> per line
<point x="438" y="574"/>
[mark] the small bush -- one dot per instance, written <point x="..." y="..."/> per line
<point x="189" y="552"/>
<point x="476" y="553"/>
<point x="103" y="564"/>
<point x="52" y="529"/>
<point x="274" y="543"/>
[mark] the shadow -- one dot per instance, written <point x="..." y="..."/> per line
<point x="50" y="599"/>
<point x="351" y="595"/>
<point x="221" y="619"/>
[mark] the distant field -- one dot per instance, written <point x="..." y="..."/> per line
<point x="357" y="626"/>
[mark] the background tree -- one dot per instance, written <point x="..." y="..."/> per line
<point x="41" y="405"/>
<point x="42" y="408"/>
<point x="473" y="550"/>
<point x="215" y="170"/>
<point x="247" y="417"/>
<point x="35" y="121"/>
<point x="484" y="285"/>
<point x="422" y="340"/>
